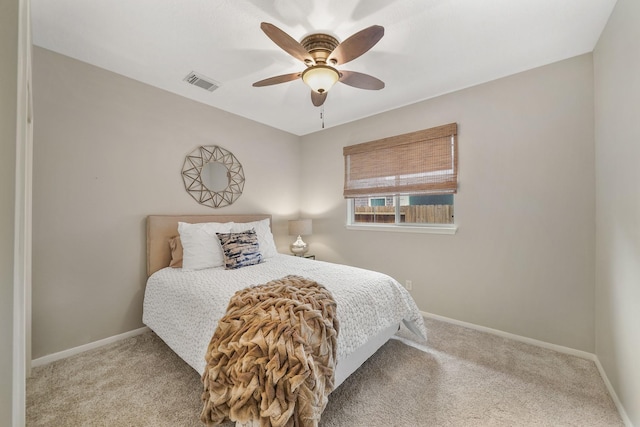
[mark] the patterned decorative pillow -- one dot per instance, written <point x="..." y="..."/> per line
<point x="265" y="237"/>
<point x="240" y="249"/>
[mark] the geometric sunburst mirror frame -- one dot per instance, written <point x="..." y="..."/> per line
<point x="213" y="176"/>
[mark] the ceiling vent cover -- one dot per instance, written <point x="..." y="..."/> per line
<point x="202" y="81"/>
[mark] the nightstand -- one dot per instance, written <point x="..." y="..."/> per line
<point x="305" y="256"/>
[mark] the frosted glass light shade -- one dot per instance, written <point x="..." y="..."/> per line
<point x="320" y="78"/>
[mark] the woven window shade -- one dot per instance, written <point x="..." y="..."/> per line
<point x="425" y="161"/>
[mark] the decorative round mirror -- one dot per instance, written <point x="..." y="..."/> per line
<point x="213" y="176"/>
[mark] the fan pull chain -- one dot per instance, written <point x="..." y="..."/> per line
<point x="322" y="115"/>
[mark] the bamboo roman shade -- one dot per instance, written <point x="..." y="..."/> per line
<point x="425" y="161"/>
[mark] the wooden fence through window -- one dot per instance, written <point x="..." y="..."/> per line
<point x="417" y="214"/>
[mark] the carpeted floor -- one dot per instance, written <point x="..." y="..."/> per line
<point x="462" y="378"/>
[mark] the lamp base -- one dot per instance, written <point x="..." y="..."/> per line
<point x="299" y="248"/>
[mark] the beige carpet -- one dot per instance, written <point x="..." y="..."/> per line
<point x="463" y="378"/>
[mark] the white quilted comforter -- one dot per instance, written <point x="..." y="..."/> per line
<point x="183" y="307"/>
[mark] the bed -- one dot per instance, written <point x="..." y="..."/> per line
<point x="183" y="307"/>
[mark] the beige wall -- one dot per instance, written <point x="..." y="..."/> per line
<point x="8" y="100"/>
<point x="107" y="152"/>
<point x="617" y="134"/>
<point x="522" y="260"/>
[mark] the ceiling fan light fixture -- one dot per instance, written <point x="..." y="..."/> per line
<point x="320" y="78"/>
<point x="321" y="53"/>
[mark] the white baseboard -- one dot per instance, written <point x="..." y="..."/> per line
<point x="614" y="396"/>
<point x="543" y="344"/>
<point x="90" y="346"/>
<point x="537" y="343"/>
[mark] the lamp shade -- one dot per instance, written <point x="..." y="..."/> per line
<point x="320" y="78"/>
<point x="300" y="227"/>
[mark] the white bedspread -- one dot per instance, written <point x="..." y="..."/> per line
<point x="183" y="307"/>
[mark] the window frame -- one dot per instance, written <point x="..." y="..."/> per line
<point x="420" y="164"/>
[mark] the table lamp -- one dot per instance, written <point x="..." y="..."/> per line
<point x="299" y="227"/>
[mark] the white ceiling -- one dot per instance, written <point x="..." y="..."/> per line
<point x="430" y="47"/>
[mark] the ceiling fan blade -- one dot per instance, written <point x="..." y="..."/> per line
<point x="318" y="98"/>
<point x="356" y="45"/>
<point x="287" y="43"/>
<point x="360" y="80"/>
<point x="277" y="79"/>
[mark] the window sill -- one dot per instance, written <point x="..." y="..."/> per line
<point x="427" y="229"/>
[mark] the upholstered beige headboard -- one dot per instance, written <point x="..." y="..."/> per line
<point x="161" y="228"/>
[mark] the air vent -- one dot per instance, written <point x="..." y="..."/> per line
<point x="202" y="81"/>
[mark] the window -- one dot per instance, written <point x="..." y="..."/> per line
<point x="403" y="180"/>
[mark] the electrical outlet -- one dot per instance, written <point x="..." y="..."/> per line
<point x="408" y="284"/>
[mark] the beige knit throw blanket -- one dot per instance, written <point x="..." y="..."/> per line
<point x="272" y="357"/>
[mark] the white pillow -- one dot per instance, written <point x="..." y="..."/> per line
<point x="265" y="238"/>
<point x="200" y="244"/>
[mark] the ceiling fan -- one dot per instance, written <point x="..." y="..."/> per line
<point x="321" y="53"/>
